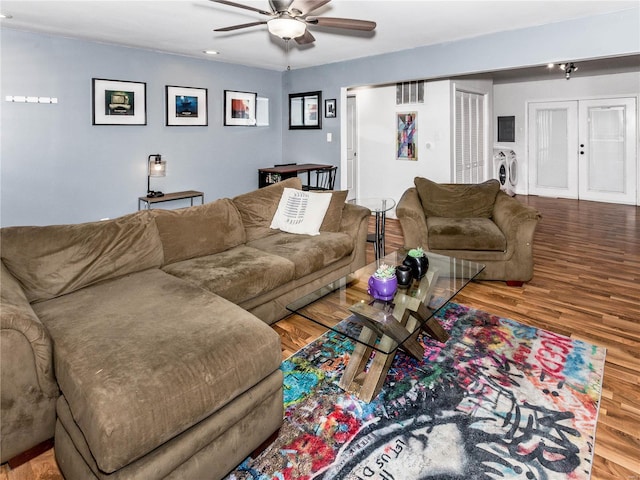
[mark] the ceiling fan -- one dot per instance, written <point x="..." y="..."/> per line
<point x="289" y="19"/>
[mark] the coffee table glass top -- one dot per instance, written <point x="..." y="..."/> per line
<point x="347" y="299"/>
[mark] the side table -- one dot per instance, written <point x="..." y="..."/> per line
<point x="168" y="197"/>
<point x="379" y="206"/>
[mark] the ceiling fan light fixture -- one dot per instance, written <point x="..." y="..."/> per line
<point x="286" y="27"/>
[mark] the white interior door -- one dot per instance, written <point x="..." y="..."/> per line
<point x="583" y="149"/>
<point x="607" y="156"/>
<point x="553" y="158"/>
<point x="352" y="152"/>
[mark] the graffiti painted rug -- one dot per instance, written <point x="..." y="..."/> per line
<point x="498" y="400"/>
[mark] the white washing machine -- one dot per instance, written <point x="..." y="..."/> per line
<point x="506" y="169"/>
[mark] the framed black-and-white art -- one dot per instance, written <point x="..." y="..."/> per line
<point x="330" y="108"/>
<point x="117" y="102"/>
<point x="304" y="110"/>
<point x="239" y="108"/>
<point x="186" y="106"/>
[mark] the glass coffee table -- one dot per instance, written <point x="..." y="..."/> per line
<point x="383" y="327"/>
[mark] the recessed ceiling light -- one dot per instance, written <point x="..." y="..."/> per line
<point x="5" y="15"/>
<point x="210" y="52"/>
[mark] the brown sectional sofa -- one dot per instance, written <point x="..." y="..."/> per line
<point x="156" y="326"/>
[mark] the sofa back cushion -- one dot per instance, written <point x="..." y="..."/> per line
<point x="258" y="207"/>
<point x="198" y="231"/>
<point x="457" y="200"/>
<point x="54" y="260"/>
<point x="333" y="217"/>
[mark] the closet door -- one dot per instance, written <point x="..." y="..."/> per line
<point x="469" y="137"/>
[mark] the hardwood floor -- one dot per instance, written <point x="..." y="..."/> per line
<point x="586" y="285"/>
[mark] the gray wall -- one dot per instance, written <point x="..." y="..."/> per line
<point x="592" y="37"/>
<point x="59" y="168"/>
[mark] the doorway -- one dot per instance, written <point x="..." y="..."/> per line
<point x="352" y="150"/>
<point x="583" y="149"/>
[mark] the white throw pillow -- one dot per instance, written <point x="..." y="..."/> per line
<point x="301" y="212"/>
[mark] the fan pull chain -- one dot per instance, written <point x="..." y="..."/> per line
<point x="286" y="52"/>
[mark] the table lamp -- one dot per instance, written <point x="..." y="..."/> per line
<point x="156" y="167"/>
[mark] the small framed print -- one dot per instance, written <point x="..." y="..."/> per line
<point x="240" y="108"/>
<point x="186" y="106"/>
<point x="117" y="102"/>
<point x="304" y="110"/>
<point x="330" y="108"/>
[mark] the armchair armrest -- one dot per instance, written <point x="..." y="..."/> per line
<point x="516" y="220"/>
<point x="412" y="220"/>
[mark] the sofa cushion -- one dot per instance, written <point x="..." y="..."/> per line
<point x="258" y="207"/>
<point x="333" y="217"/>
<point x="301" y="212"/>
<point x="457" y="200"/>
<point x="200" y="230"/>
<point x="144" y="357"/>
<point x="308" y="253"/>
<point x="237" y="274"/>
<point x="465" y="234"/>
<point x="58" y="259"/>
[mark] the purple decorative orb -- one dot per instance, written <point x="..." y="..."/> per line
<point x="382" y="288"/>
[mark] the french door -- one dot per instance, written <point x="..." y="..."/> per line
<point x="583" y="149"/>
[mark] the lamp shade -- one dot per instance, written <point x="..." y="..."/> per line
<point x="286" y="27"/>
<point x="157" y="166"/>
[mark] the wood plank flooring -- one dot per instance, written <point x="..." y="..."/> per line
<point x="586" y="285"/>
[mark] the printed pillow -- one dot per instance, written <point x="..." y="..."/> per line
<point x="301" y="212"/>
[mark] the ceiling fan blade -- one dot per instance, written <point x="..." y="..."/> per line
<point x="246" y="7"/>
<point x="280" y="5"/>
<point x="238" y="27"/>
<point x="306" y="6"/>
<point x="305" y="39"/>
<point x="349" y="23"/>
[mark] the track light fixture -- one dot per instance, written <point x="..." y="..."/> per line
<point x="568" y="68"/>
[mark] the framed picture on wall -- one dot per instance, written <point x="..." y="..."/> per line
<point x="304" y="110"/>
<point x="186" y="106"/>
<point x="406" y="136"/>
<point x="240" y="108"/>
<point x="330" y="108"/>
<point x="117" y="102"/>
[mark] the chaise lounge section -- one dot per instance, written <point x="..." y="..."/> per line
<point x="156" y="325"/>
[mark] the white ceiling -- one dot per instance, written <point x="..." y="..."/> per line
<point x="185" y="27"/>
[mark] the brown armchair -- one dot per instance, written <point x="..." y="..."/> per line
<point x="475" y="222"/>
